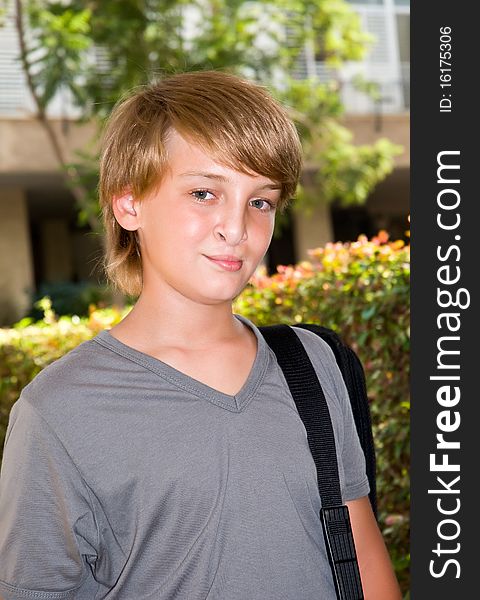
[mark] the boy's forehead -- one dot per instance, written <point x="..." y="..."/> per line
<point x="188" y="159"/>
<point x="186" y="150"/>
<point x="221" y="177"/>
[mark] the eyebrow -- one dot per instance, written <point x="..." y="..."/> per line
<point x="223" y="179"/>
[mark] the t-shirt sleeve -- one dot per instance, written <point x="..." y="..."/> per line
<point x="47" y="528"/>
<point x="353" y="458"/>
<point x="352" y="469"/>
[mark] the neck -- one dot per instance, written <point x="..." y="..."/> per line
<point x="177" y="321"/>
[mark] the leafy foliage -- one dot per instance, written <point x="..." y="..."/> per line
<point x="70" y="298"/>
<point x="60" y="38"/>
<point x="96" y="52"/>
<point x="359" y="289"/>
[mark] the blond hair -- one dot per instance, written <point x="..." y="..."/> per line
<point x="235" y="120"/>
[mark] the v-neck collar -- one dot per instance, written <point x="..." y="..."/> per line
<point x="234" y="403"/>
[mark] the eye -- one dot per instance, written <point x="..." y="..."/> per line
<point x="263" y="205"/>
<point x="202" y="195"/>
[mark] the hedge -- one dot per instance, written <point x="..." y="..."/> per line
<point x="360" y="289"/>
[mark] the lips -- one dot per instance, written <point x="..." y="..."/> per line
<point x="226" y="262"/>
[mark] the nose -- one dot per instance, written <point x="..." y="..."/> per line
<point x="231" y="226"/>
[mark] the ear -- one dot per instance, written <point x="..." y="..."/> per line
<point x="124" y="209"/>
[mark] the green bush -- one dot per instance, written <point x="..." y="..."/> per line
<point x="360" y="289"/>
<point x="70" y="298"/>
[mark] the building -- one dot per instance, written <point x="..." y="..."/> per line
<point x="388" y="66"/>
<point x="40" y="239"/>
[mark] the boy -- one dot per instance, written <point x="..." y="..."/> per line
<point x="165" y="459"/>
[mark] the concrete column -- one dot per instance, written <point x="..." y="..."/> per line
<point x="56" y="250"/>
<point x="16" y="268"/>
<point x="312" y="230"/>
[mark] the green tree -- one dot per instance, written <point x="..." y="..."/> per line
<point x="98" y="50"/>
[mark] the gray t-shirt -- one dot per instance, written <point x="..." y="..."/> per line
<point x="124" y="478"/>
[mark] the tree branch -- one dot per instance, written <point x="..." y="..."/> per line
<point x="69" y="172"/>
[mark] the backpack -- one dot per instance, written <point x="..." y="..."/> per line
<point x="310" y="400"/>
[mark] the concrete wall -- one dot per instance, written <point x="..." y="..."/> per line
<point x="16" y="271"/>
<point x="367" y="129"/>
<point x="312" y="231"/>
<point x="56" y="245"/>
<point x="27" y="161"/>
<point x="26" y="148"/>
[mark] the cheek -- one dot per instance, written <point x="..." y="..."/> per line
<point x="195" y="228"/>
<point x="262" y="234"/>
<point x="191" y="223"/>
<point x="173" y="227"/>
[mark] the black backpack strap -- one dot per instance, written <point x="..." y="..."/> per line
<point x="354" y="377"/>
<point x="312" y="407"/>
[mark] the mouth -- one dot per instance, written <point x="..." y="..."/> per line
<point x="228" y="263"/>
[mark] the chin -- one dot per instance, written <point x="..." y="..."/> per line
<point x="223" y="288"/>
<point x="221" y="297"/>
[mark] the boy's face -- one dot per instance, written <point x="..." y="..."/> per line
<point x="205" y="228"/>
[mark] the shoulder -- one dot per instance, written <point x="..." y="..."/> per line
<point x="79" y="373"/>
<point x="65" y="370"/>
<point x="314" y="343"/>
<point x="351" y="461"/>
<point x="323" y="360"/>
